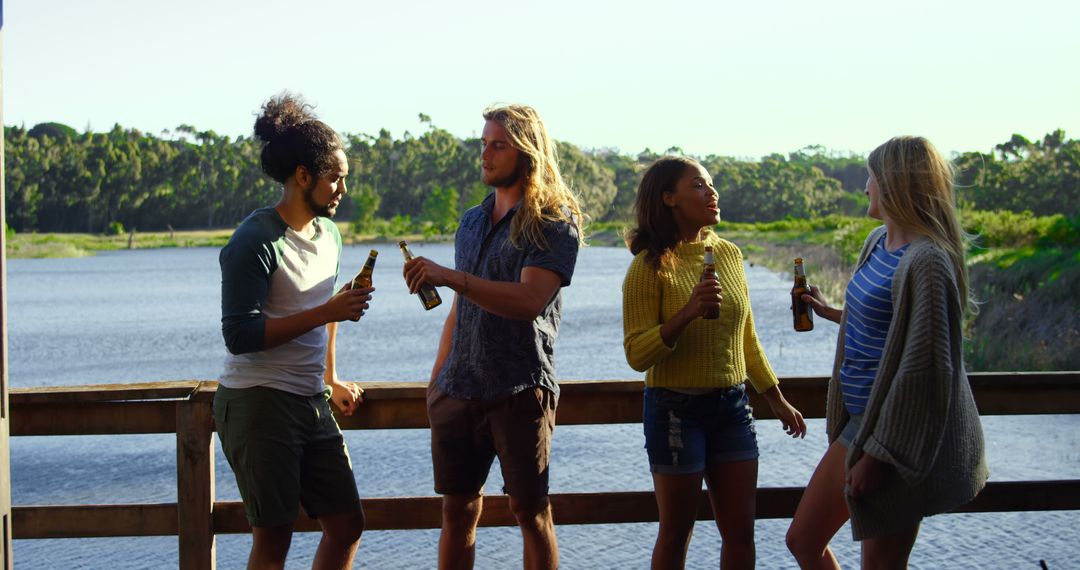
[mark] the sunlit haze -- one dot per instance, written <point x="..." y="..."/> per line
<point x="734" y="78"/>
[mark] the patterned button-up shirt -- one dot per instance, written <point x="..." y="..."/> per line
<point x="493" y="357"/>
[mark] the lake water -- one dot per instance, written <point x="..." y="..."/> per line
<point x="135" y="316"/>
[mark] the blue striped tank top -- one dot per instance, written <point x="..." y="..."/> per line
<point x="868" y="303"/>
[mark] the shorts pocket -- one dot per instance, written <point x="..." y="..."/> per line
<point x="530" y="403"/>
<point x="221" y="417"/>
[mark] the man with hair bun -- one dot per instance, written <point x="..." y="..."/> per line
<point x="279" y="316"/>
<point x="493" y="389"/>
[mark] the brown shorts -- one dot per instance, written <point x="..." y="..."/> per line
<point x="467" y="435"/>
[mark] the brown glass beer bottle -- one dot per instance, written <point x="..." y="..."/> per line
<point x="363" y="279"/>
<point x="801" y="311"/>
<point x="429" y="296"/>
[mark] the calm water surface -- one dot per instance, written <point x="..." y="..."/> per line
<point x="137" y="316"/>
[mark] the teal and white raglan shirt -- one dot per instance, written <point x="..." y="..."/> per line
<point x="268" y="270"/>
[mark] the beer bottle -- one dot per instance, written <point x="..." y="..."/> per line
<point x="429" y="297"/>
<point x="363" y="279"/>
<point x="801" y="311"/>
<point x="710" y="273"/>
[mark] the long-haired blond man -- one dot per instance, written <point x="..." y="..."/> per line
<point x="493" y="390"/>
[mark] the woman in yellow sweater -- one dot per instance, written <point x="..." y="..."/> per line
<point x="697" y="418"/>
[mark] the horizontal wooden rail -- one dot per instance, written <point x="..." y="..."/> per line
<point x="106" y="409"/>
<point x="184" y="408"/>
<point x="409" y="513"/>
<point x="94" y="521"/>
<point x="148" y="408"/>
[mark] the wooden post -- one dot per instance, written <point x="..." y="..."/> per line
<point x="5" y="449"/>
<point x="195" y="480"/>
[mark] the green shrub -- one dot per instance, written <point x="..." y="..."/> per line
<point x="430" y="231"/>
<point x="114" y="229"/>
<point x="440" y="210"/>
<point x="366" y="201"/>
<point x="1063" y="232"/>
<point x="399" y="225"/>
<point x="1004" y="228"/>
<point x="850" y="235"/>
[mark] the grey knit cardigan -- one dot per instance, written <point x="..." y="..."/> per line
<point x="921" y="417"/>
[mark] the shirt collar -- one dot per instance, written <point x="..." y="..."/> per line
<point x="488" y="205"/>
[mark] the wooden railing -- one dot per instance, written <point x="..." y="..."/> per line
<point x="184" y="408"/>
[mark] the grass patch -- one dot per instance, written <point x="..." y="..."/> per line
<point x="35" y="245"/>
<point x="25" y="249"/>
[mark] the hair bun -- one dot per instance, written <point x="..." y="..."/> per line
<point x="279" y="114"/>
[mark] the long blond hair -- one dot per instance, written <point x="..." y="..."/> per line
<point x="916" y="192"/>
<point x="545" y="193"/>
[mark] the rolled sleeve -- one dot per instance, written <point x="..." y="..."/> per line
<point x="560" y="255"/>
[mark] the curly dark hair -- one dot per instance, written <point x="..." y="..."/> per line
<point x="291" y="136"/>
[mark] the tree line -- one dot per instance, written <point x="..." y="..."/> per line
<point x="60" y="180"/>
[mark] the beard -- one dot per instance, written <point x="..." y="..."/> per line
<point x="510" y="179"/>
<point x="322" y="210"/>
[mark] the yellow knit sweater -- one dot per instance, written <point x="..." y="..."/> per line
<point x="710" y="353"/>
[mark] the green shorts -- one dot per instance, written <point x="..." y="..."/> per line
<point x="285" y="450"/>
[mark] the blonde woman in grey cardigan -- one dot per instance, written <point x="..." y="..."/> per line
<point x="905" y="440"/>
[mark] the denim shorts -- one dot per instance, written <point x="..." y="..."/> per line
<point x="686" y="432"/>
<point x="851" y="429"/>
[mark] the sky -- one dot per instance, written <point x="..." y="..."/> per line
<point x="741" y="79"/>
